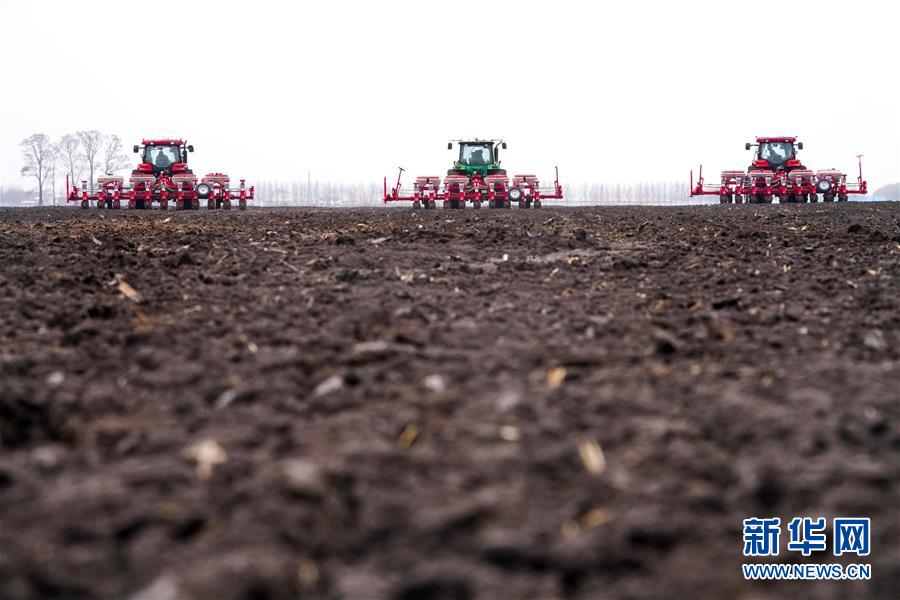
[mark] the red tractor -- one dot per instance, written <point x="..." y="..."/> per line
<point x="163" y="176"/>
<point x="776" y="171"/>
<point x="476" y="177"/>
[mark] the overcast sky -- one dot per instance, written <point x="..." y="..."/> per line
<point x="351" y="90"/>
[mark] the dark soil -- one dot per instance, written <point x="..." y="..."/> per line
<point x="442" y="404"/>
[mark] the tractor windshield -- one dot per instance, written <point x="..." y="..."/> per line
<point x="476" y="155"/>
<point x="162" y="157"/>
<point x="776" y="153"/>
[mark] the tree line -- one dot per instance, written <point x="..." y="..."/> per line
<point x="77" y="154"/>
<point x="304" y="193"/>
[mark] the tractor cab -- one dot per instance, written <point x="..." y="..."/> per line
<point x="776" y="154"/>
<point x="477" y="157"/>
<point x="158" y="156"/>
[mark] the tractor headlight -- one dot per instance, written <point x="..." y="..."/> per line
<point x="203" y="190"/>
<point x="515" y="194"/>
<point x="823" y="186"/>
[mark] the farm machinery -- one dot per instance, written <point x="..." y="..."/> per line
<point x="776" y="171"/>
<point x="477" y="177"/>
<point x="163" y="177"/>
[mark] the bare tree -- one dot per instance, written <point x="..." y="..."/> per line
<point x="114" y="159"/>
<point x="38" y="153"/>
<point x="51" y="172"/>
<point x="91" y="144"/>
<point x="72" y="157"/>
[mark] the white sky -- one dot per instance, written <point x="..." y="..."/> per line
<point x="350" y="90"/>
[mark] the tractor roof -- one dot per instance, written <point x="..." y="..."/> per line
<point x="761" y="140"/>
<point x="163" y="142"/>
<point x="478" y="140"/>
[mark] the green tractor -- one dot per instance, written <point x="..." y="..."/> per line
<point x="476" y="177"/>
<point x="477" y="157"/>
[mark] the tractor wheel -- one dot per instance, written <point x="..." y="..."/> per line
<point x="843" y="197"/>
<point x="828" y="198"/>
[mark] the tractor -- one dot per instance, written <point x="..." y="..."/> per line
<point x="162" y="176"/>
<point x="776" y="171"/>
<point x="477" y="177"/>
